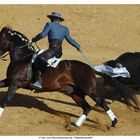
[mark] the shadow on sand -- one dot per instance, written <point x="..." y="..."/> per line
<point x="29" y="101"/>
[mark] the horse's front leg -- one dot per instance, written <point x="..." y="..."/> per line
<point x="4" y="83"/>
<point x="10" y="93"/>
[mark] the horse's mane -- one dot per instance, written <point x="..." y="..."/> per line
<point x="15" y="33"/>
<point x="23" y="50"/>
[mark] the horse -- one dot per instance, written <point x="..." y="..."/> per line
<point x="71" y="77"/>
<point x="126" y="86"/>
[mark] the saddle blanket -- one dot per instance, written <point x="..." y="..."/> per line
<point x="52" y="62"/>
<point x="113" y="72"/>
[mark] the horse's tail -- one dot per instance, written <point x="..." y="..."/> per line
<point x="125" y="92"/>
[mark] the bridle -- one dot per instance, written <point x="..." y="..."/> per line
<point x="27" y="44"/>
<point x="22" y="46"/>
<point x="30" y="44"/>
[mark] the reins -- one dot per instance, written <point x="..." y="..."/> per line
<point x="27" y="44"/>
<point x="30" y="53"/>
<point x="37" y="46"/>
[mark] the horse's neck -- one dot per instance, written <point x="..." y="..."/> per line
<point x="18" y="54"/>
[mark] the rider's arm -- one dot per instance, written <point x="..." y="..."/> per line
<point x="71" y="41"/>
<point x="42" y="34"/>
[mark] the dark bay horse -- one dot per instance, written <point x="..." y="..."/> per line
<point x="74" y="78"/>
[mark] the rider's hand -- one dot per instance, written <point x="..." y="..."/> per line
<point x="33" y="40"/>
<point x="78" y="49"/>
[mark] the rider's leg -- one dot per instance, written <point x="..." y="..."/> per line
<point x="43" y="57"/>
<point x="41" y="60"/>
<point x="51" y="52"/>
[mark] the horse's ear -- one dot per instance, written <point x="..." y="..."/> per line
<point x="6" y="28"/>
<point x="3" y="29"/>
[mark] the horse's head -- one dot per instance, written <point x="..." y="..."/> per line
<point x="10" y="39"/>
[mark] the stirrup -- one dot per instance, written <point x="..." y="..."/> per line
<point x="37" y="84"/>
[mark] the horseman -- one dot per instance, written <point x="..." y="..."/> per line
<point x="56" y="34"/>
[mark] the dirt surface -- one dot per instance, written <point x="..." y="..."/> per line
<point x="104" y="32"/>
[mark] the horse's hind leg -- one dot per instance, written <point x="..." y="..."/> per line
<point x="11" y="91"/>
<point x="102" y="103"/>
<point x="81" y="102"/>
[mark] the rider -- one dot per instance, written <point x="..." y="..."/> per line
<point x="56" y="34"/>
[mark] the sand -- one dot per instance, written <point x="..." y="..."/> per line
<point x="104" y="32"/>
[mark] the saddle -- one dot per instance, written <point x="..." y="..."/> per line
<point x="52" y="62"/>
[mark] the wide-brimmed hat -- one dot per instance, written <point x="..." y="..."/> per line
<point x="56" y="15"/>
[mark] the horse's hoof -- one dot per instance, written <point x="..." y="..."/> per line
<point x="71" y="127"/>
<point x="110" y="128"/>
<point x="114" y="122"/>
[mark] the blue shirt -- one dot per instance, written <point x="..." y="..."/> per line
<point x="56" y="31"/>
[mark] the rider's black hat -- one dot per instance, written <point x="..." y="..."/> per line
<point x="56" y="15"/>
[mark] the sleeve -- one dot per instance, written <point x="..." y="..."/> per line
<point x="71" y="41"/>
<point x="42" y="34"/>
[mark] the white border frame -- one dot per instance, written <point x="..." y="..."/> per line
<point x="69" y="2"/>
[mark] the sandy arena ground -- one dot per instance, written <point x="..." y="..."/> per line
<point x="104" y="32"/>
